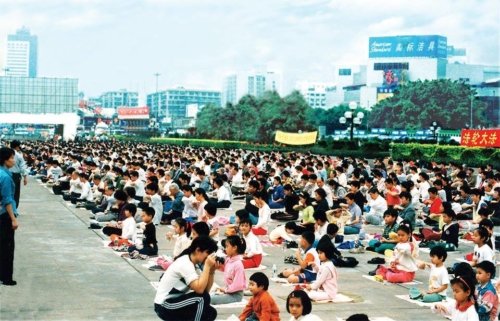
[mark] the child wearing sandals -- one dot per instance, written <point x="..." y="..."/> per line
<point x="403" y="265"/>
<point x="234" y="273"/>
<point x="325" y="286"/>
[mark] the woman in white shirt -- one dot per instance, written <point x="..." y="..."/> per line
<point x="183" y="290"/>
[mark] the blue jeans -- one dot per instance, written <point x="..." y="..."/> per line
<point x="351" y="230"/>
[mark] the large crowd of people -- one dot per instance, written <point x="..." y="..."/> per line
<point x="325" y="203"/>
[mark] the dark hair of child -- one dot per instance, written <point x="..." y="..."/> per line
<point x="487" y="223"/>
<point x="260" y="279"/>
<point x="202" y="243"/>
<point x="466" y="283"/>
<point x="201" y="228"/>
<point x="183" y="224"/>
<point x="440" y="252"/>
<point x="358" y="317"/>
<point x="211" y="209"/>
<point x="304" y="299"/>
<point x="242" y="214"/>
<point x="120" y="195"/>
<point x="464" y="269"/>
<point x="246" y="221"/>
<point x="130" y="190"/>
<point x="149" y="211"/>
<point x="332" y="229"/>
<point x="487" y="267"/>
<point x="237" y="241"/>
<point x="291" y="226"/>
<point x="308" y="236"/>
<point x="320" y="216"/>
<point x="484" y="235"/>
<point x="327" y="248"/>
<point x="391" y="212"/>
<point x="152" y="187"/>
<point x="186" y="188"/>
<point x="131" y="208"/>
<point x="405" y="226"/>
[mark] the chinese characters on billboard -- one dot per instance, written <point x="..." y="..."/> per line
<point x="431" y="46"/>
<point x="481" y="138"/>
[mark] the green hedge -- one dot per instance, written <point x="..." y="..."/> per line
<point x="472" y="156"/>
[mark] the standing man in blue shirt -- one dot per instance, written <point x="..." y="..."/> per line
<point x="8" y="214"/>
<point x="19" y="170"/>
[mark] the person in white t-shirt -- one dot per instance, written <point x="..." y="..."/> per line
<point x="190" y="211"/>
<point x="183" y="291"/>
<point x="438" y="278"/>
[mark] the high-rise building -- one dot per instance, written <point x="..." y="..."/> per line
<point x="317" y="94"/>
<point x="22" y="54"/>
<point x="251" y="83"/>
<point x="172" y="103"/>
<point x="38" y="95"/>
<point x="120" y="98"/>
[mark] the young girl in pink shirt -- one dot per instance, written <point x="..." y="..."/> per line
<point x="325" y="287"/>
<point x="234" y="273"/>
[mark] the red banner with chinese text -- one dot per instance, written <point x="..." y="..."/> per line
<point x="480" y="138"/>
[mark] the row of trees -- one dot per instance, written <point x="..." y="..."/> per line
<point x="415" y="105"/>
<point x="255" y="119"/>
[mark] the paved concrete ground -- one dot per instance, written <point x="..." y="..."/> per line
<point x="65" y="273"/>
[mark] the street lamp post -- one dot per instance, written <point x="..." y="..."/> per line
<point x="352" y="119"/>
<point x="435" y="129"/>
<point x="157" y="96"/>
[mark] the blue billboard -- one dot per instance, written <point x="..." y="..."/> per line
<point x="408" y="46"/>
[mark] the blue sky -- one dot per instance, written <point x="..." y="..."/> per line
<point x="114" y="44"/>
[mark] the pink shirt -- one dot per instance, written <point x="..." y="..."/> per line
<point x="234" y="274"/>
<point x="326" y="279"/>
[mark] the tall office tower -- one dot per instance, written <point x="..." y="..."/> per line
<point x="22" y="54"/>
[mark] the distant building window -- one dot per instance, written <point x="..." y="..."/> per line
<point x="391" y="66"/>
<point x="345" y="72"/>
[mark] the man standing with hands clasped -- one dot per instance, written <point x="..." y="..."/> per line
<point x="8" y="213"/>
<point x="19" y="170"/>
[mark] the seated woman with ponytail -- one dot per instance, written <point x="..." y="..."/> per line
<point x="183" y="290"/>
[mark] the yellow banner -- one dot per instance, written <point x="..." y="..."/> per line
<point x="296" y="138"/>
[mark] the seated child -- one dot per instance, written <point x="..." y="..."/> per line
<point x="402" y="265"/>
<point x="325" y="286"/>
<point x="262" y="305"/>
<point x="448" y="236"/>
<point x="182" y="230"/>
<point x="438" y="278"/>
<point x="212" y="221"/>
<point x="149" y="242"/>
<point x="482" y="249"/>
<point x="321" y="224"/>
<point x="253" y="255"/>
<point x="264" y="213"/>
<point x="486" y="294"/>
<point x="299" y="305"/>
<point x="389" y="237"/>
<point x="234" y="274"/>
<point x="463" y="308"/>
<point x="305" y="272"/>
<point x="340" y="218"/>
<point x="284" y="232"/>
<point x="123" y="233"/>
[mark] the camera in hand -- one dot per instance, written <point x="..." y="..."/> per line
<point x="220" y="259"/>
